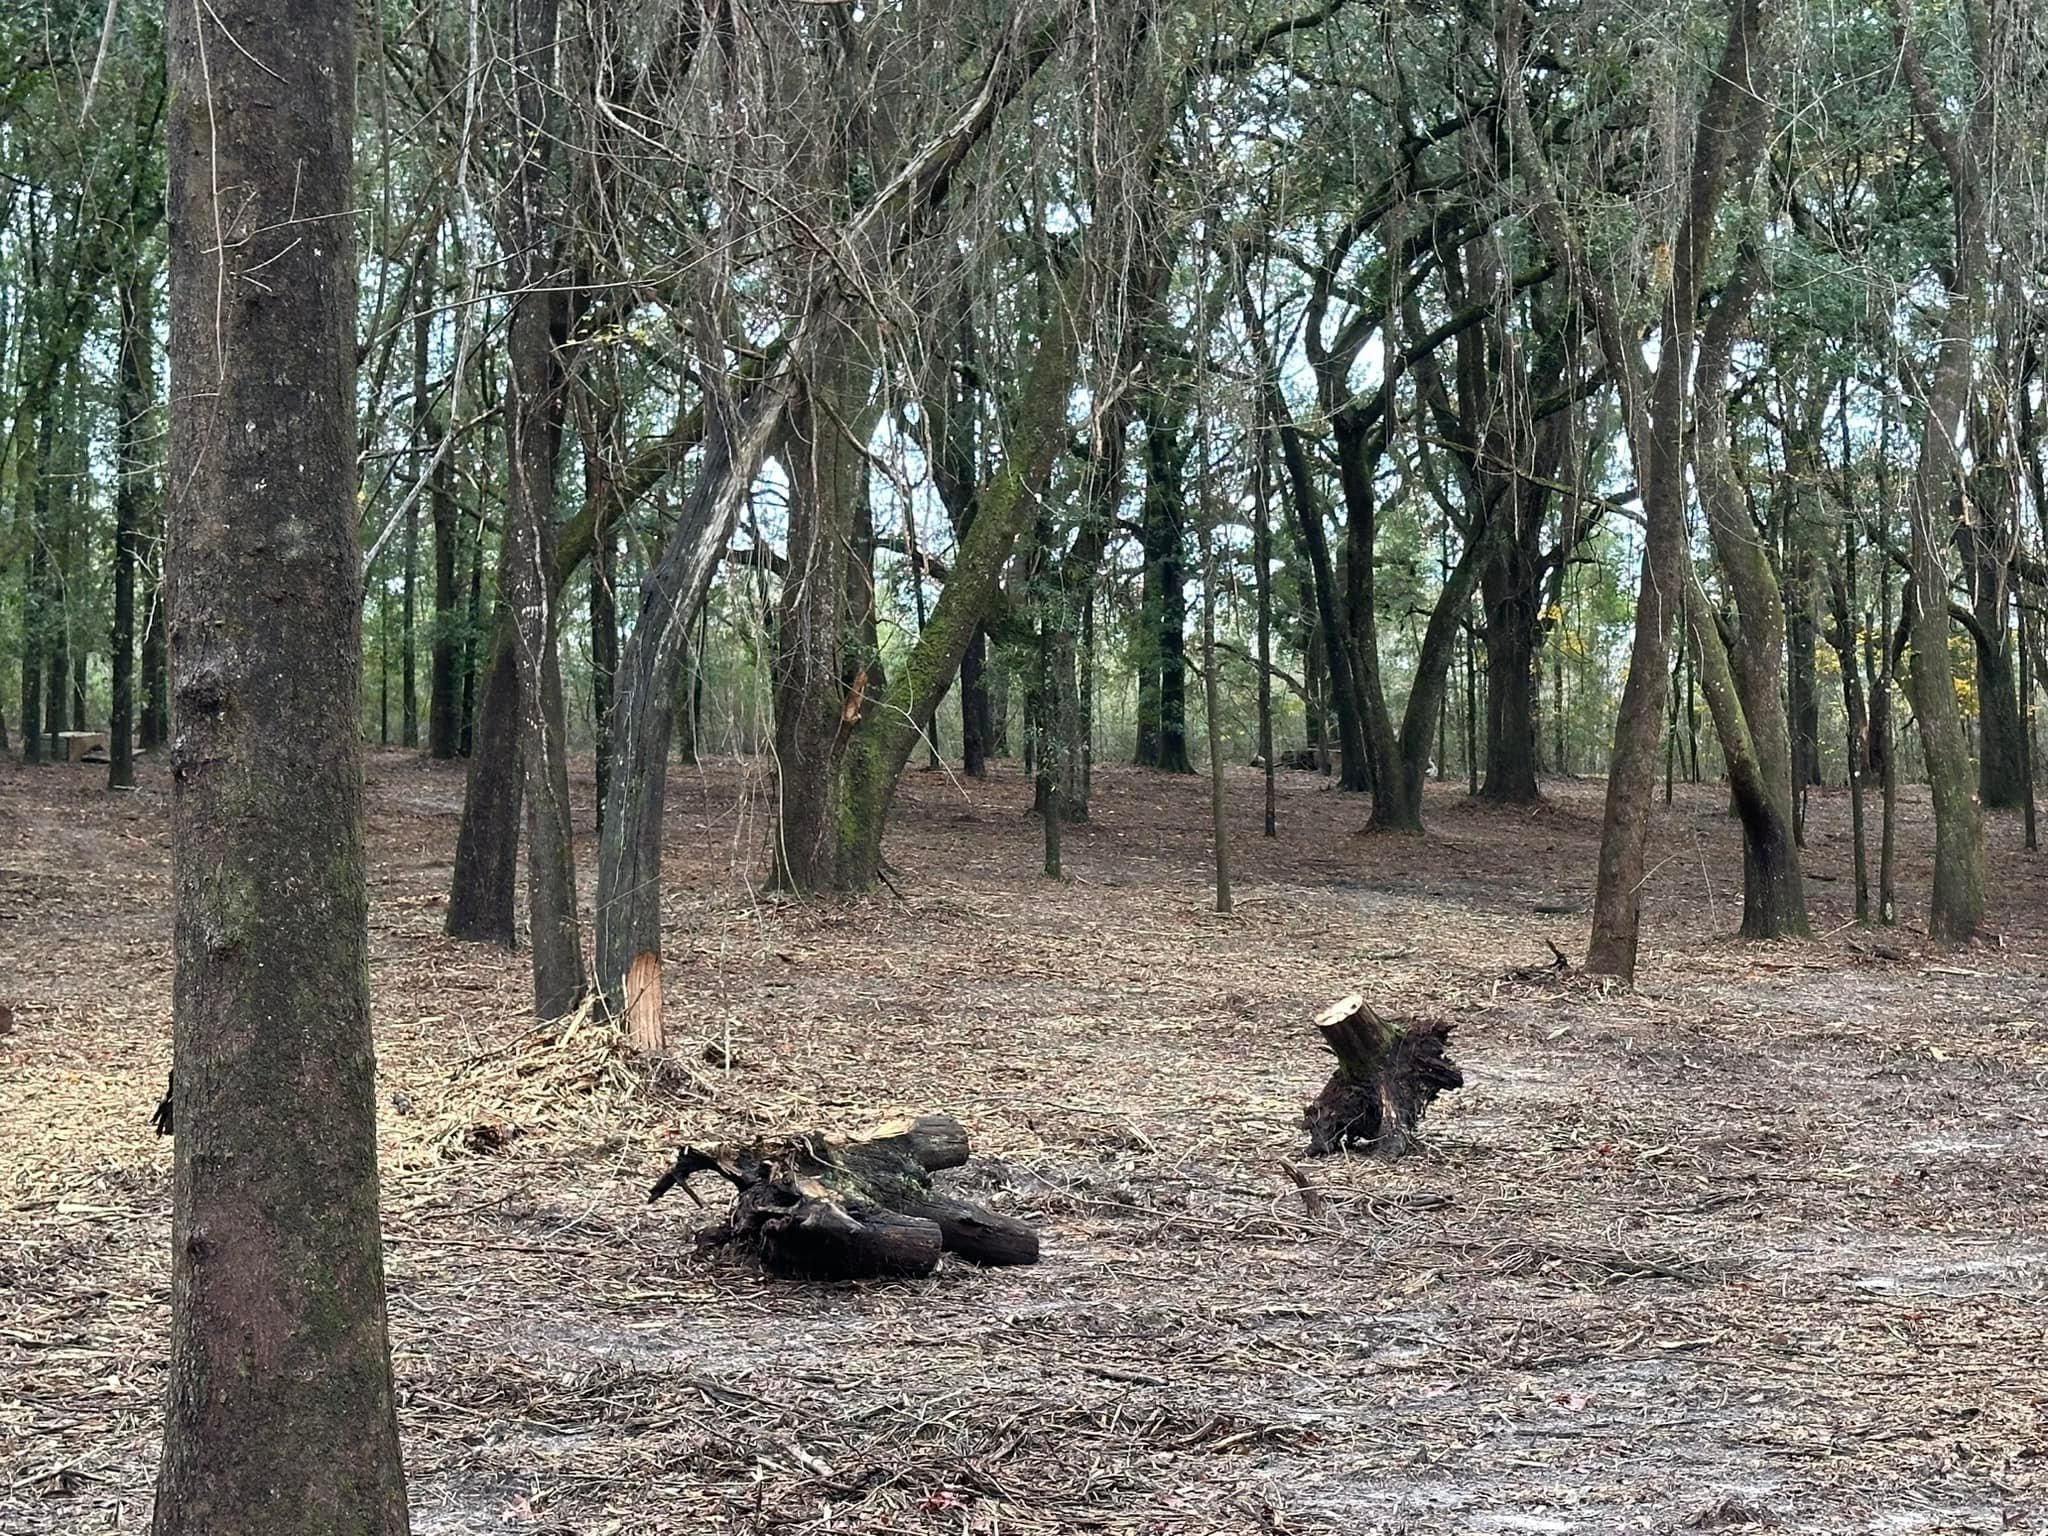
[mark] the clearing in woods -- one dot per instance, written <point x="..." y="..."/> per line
<point x="1760" y="1245"/>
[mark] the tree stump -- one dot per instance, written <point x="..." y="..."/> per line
<point x="1387" y="1077"/>
<point x="813" y="1207"/>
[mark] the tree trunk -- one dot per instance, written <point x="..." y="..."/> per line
<point x="1386" y="1079"/>
<point x="32" y="511"/>
<point x="472" y="631"/>
<point x="1315" y="543"/>
<point x="604" y="611"/>
<point x="63" y="500"/>
<point x="823" y="675"/>
<point x="131" y="494"/>
<point x="1512" y="598"/>
<point x="156" y="690"/>
<point x="281" y="1416"/>
<point x="1957" y="908"/>
<point x="975" y="730"/>
<point x="533" y="415"/>
<point x="444" y="686"/>
<point x="485" y="881"/>
<point x="815" y="1207"/>
<point x="1741" y="665"/>
<point x="1730" y="139"/>
<point x="422" y="466"/>
<point x="1842" y="636"/>
<point x="1262" y="560"/>
<point x="1220" y="829"/>
<point x="1050" y="781"/>
<point x="1162" y="682"/>
<point x="2001" y="766"/>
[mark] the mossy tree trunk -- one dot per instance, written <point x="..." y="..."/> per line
<point x="1957" y="907"/>
<point x="738" y="438"/>
<point x="1732" y="119"/>
<point x="880" y="729"/>
<point x="1741" y="662"/>
<point x="281" y="1417"/>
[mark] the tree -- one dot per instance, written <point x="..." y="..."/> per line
<point x="1957" y="907"/>
<point x="1742" y="656"/>
<point x="281" y="1415"/>
<point x="533" y="412"/>
<point x="131" y="496"/>
<point x="1654" y="402"/>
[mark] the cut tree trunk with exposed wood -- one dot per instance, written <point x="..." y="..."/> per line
<point x="1387" y="1077"/>
<point x="818" y="1208"/>
<point x="280" y="1415"/>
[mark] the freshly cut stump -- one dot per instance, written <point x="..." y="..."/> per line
<point x="814" y="1207"/>
<point x="1387" y="1077"/>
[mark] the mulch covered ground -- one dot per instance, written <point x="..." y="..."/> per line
<point x="1760" y="1245"/>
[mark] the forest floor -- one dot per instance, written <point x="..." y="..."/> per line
<point x="1759" y="1245"/>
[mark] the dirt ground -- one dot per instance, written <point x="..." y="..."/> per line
<point x="1758" y="1246"/>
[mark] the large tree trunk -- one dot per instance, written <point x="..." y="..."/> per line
<point x="281" y="1415"/>
<point x="533" y="414"/>
<point x="1513" y="598"/>
<point x="1730" y="138"/>
<point x="131" y="494"/>
<point x="975" y="725"/>
<point x="1162" y="645"/>
<point x="823" y="674"/>
<point x="1957" y="908"/>
<point x="482" y="889"/>
<point x="1743" y="669"/>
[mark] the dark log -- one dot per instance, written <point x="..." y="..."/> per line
<point x="1387" y="1077"/>
<point x="816" y="1207"/>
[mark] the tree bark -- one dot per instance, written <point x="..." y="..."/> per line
<point x="604" y="608"/>
<point x="281" y="1416"/>
<point x="444" y="685"/>
<point x="32" y="511"/>
<point x="1729" y="140"/>
<point x="482" y="890"/>
<point x="131" y="495"/>
<point x="1162" y="656"/>
<point x="1219" y="823"/>
<point x="1744" y="689"/>
<point x="1262" y="560"/>
<point x="533" y="413"/>
<point x="1957" y="908"/>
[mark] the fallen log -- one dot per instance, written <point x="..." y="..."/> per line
<point x="817" y="1207"/>
<point x="1387" y="1077"/>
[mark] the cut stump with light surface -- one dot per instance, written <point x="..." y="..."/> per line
<point x="1387" y="1077"/>
<point x="820" y="1208"/>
